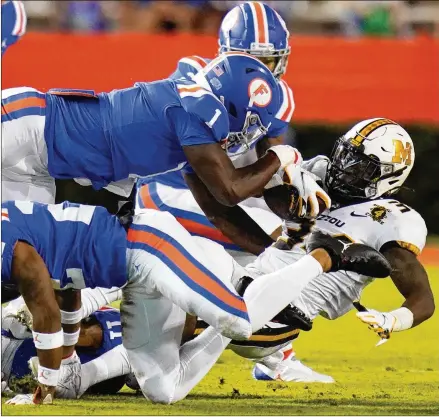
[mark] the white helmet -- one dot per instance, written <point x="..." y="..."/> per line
<point x="371" y="160"/>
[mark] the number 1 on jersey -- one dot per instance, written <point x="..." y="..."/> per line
<point x="212" y="121"/>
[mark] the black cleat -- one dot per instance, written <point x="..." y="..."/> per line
<point x="354" y="257"/>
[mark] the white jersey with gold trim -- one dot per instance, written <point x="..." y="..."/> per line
<point x="374" y="222"/>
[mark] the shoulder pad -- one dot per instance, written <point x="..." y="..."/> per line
<point x="287" y="105"/>
<point x="206" y="106"/>
<point x="190" y="65"/>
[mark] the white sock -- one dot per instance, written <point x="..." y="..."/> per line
<point x="94" y="299"/>
<point x="269" y="294"/>
<point x="110" y="365"/>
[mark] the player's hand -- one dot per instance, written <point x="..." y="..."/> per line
<point x="307" y="204"/>
<point x="381" y="323"/>
<point x="21" y="399"/>
<point x="287" y="155"/>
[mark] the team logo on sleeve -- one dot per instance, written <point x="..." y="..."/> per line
<point x="378" y="213"/>
<point x="259" y="92"/>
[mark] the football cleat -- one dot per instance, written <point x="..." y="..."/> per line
<point x="290" y="369"/>
<point x="354" y="257"/>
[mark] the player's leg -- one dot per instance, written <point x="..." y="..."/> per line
<point x="152" y="333"/>
<point x="162" y="255"/>
<point x="171" y="261"/>
<point x="25" y="174"/>
<point x="283" y="365"/>
<point x="95" y="298"/>
<point x="182" y="205"/>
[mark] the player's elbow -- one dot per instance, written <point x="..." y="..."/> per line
<point x="428" y="309"/>
<point x="227" y="196"/>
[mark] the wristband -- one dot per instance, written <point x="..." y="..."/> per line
<point x="46" y="341"/>
<point x="404" y="319"/>
<point x="71" y="317"/>
<point x="47" y="376"/>
<point x="70" y="339"/>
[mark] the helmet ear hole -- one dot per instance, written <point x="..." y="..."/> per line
<point x="249" y="70"/>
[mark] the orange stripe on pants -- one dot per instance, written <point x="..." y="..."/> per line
<point x="189" y="269"/>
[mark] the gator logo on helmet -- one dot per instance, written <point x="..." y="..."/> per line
<point x="378" y="213"/>
<point x="259" y="92"/>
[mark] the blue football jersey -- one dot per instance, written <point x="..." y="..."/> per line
<point x="13" y="23"/>
<point x="82" y="246"/>
<point x="108" y="319"/>
<point x="187" y="67"/>
<point x="137" y="131"/>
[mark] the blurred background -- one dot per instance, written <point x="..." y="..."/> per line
<point x="348" y="18"/>
<point x="350" y="60"/>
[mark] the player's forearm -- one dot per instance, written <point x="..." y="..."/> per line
<point x="239" y="227"/>
<point x="250" y="180"/>
<point x="233" y="222"/>
<point x="69" y="302"/>
<point x="34" y="283"/>
<point x="411" y="279"/>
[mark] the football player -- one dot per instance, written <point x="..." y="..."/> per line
<point x="256" y="29"/>
<point x="145" y="130"/>
<point x="367" y="167"/>
<point x="164" y="272"/>
<point x="14" y="21"/>
<point x="100" y="333"/>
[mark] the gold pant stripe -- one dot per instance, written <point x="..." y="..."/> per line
<point x="262" y="338"/>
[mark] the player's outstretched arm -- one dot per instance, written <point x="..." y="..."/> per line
<point x="35" y="285"/>
<point x="411" y="279"/>
<point x="227" y="184"/>
<point x="233" y="222"/>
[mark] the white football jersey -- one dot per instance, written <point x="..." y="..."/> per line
<point x="374" y="223"/>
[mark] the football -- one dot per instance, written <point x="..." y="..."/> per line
<point x="283" y="201"/>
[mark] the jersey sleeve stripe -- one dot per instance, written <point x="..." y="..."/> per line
<point x="196" y="62"/>
<point x="22" y="104"/>
<point x="5" y="215"/>
<point x="409" y="246"/>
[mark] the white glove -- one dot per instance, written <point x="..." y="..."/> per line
<point x="287" y="155"/>
<point x="386" y="323"/>
<point x="308" y="189"/>
<point x="30" y="399"/>
<point x="21" y="399"/>
<point x="381" y="323"/>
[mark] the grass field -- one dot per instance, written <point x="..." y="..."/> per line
<point x="397" y="378"/>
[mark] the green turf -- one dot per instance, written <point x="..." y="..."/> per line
<point x="398" y="378"/>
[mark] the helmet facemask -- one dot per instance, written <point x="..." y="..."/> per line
<point x="353" y="175"/>
<point x="253" y="129"/>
